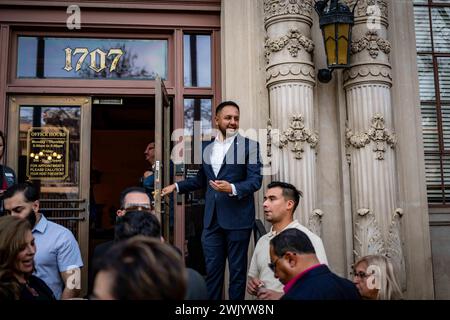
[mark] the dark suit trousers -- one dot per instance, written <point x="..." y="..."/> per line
<point x="218" y="244"/>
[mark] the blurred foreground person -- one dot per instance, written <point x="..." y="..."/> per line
<point x="375" y="279"/>
<point x="17" y="250"/>
<point x="140" y="268"/>
<point x="294" y="262"/>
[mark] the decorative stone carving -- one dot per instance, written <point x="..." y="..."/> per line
<point x="373" y="43"/>
<point x="368" y="71"/>
<point x="294" y="41"/>
<point x="274" y="8"/>
<point x="296" y="71"/>
<point x="368" y="239"/>
<point x="315" y="221"/>
<point x="394" y="249"/>
<point x="376" y="133"/>
<point x="364" y="7"/>
<point x="297" y="134"/>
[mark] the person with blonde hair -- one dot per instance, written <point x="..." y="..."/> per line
<point x="374" y="276"/>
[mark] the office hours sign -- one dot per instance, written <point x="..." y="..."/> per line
<point x="47" y="153"/>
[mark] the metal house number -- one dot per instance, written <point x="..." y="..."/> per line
<point x="97" y="58"/>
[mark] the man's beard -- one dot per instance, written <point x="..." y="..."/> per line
<point x="31" y="218"/>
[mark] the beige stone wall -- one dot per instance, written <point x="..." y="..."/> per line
<point x="410" y="155"/>
<point x="243" y="66"/>
<point x="243" y="70"/>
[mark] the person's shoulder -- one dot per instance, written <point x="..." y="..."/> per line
<point x="308" y="232"/>
<point x="59" y="231"/>
<point x="7" y="169"/>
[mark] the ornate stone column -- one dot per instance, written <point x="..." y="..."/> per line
<point x="290" y="81"/>
<point x="370" y="136"/>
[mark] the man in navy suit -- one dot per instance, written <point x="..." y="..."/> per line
<point x="231" y="173"/>
<point x="294" y="262"/>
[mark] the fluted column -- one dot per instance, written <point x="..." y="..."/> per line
<point x="290" y="81"/>
<point x="370" y="136"/>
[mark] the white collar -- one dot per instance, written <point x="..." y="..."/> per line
<point x="219" y="138"/>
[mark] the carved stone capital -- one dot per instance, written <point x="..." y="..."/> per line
<point x="367" y="9"/>
<point x="367" y="234"/>
<point x="293" y="41"/>
<point x="290" y="72"/>
<point x="394" y="249"/>
<point x="368" y="73"/>
<point x="296" y="135"/>
<point x="371" y="42"/>
<point x="377" y="133"/>
<point x="315" y="221"/>
<point x="368" y="239"/>
<point x="282" y="9"/>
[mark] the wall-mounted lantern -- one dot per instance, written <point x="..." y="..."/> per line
<point x="336" y="22"/>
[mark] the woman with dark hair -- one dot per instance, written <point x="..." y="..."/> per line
<point x="7" y="175"/>
<point x="17" y="250"/>
<point x="140" y="268"/>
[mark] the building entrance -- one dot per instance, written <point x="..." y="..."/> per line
<point x="83" y="151"/>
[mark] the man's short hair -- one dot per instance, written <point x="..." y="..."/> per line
<point x="137" y="223"/>
<point x="290" y="192"/>
<point x="226" y="104"/>
<point x="292" y="240"/>
<point x="29" y="190"/>
<point x="128" y="190"/>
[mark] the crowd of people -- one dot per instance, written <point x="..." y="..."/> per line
<point x="41" y="260"/>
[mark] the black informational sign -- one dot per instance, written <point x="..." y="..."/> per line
<point x="47" y="153"/>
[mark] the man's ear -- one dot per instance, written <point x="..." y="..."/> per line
<point x="120" y="213"/>
<point x="36" y="206"/>
<point x="291" y="258"/>
<point x="290" y="204"/>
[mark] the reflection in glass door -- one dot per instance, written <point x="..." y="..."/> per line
<point x="49" y="146"/>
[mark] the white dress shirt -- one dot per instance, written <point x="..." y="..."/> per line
<point x="219" y="150"/>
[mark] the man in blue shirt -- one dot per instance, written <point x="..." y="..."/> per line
<point x="58" y="258"/>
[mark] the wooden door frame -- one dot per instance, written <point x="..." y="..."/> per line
<point x="85" y="156"/>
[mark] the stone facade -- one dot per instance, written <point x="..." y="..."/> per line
<point x="345" y="144"/>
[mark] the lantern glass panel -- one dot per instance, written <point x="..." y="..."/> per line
<point x="343" y="36"/>
<point x="329" y="33"/>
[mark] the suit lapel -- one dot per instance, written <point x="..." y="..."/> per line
<point x="207" y="156"/>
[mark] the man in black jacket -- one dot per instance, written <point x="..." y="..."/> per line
<point x="294" y="262"/>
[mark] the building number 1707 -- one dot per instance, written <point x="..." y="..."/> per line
<point x="97" y="67"/>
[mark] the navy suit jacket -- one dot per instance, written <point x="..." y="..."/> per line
<point x="321" y="284"/>
<point x="241" y="167"/>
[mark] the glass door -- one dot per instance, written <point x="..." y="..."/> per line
<point x="164" y="207"/>
<point x="49" y="145"/>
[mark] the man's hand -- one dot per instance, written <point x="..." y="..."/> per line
<point x="168" y="190"/>
<point x="221" y="186"/>
<point x="267" y="294"/>
<point x="253" y="285"/>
